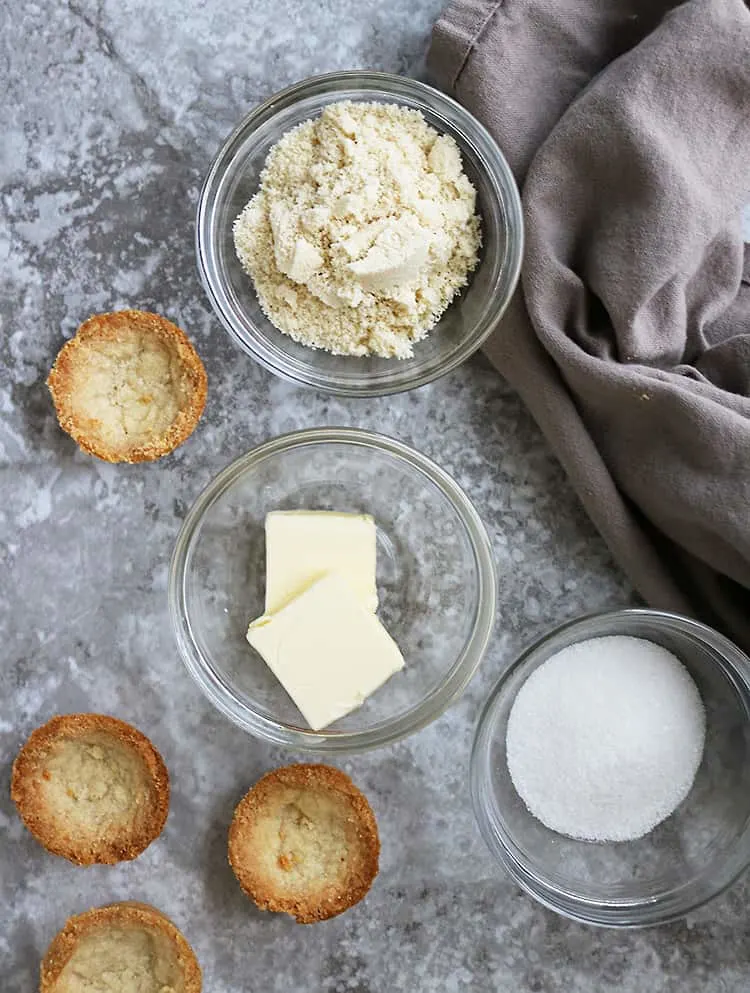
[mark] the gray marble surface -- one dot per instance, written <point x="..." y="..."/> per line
<point x="111" y="113"/>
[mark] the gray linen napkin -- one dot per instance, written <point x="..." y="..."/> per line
<point x="628" y="124"/>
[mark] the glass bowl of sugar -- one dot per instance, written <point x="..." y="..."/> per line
<point x="610" y="771"/>
<point x="434" y="576"/>
<point x="234" y="178"/>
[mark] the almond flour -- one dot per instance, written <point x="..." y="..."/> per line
<point x="362" y="232"/>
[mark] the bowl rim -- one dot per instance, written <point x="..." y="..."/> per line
<point x="676" y="903"/>
<point x="492" y="157"/>
<point x="385" y="732"/>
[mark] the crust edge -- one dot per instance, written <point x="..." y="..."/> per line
<point x="64" y="943"/>
<point x="103" y="326"/>
<point x="311" y="776"/>
<point x="109" y="850"/>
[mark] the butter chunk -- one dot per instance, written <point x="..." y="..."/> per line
<point x="304" y="545"/>
<point x="327" y="651"/>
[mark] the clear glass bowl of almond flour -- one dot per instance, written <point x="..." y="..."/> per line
<point x="435" y="580"/>
<point x="686" y="860"/>
<point x="233" y="179"/>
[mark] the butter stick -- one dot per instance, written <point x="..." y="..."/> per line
<point x="327" y="650"/>
<point x="304" y="545"/>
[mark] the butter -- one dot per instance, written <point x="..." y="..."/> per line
<point x="328" y="651"/>
<point x="304" y="545"/>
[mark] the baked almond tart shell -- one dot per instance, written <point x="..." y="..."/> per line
<point x="91" y="788"/>
<point x="122" y="936"/>
<point x="304" y="841"/>
<point x="129" y="387"/>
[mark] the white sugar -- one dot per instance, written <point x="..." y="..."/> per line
<point x="605" y="738"/>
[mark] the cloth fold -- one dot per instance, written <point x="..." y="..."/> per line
<point x="628" y="125"/>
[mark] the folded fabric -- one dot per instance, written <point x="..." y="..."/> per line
<point x="628" y="124"/>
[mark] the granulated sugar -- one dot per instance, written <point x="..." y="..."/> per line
<point x="605" y="738"/>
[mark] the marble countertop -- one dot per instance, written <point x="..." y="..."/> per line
<point x="112" y="112"/>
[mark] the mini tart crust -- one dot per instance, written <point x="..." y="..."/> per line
<point x="116" y="918"/>
<point x="304" y="841"/>
<point x="128" y="367"/>
<point x="121" y="782"/>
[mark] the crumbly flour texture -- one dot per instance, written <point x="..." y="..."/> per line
<point x="362" y="232"/>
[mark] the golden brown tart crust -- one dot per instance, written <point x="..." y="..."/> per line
<point x="129" y="387"/>
<point x="91" y="788"/>
<point x="304" y="841"/>
<point x="86" y="934"/>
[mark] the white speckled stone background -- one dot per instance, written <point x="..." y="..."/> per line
<point x="111" y="114"/>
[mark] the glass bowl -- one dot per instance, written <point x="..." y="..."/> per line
<point x="689" y="858"/>
<point x="233" y="179"/>
<point x="436" y="581"/>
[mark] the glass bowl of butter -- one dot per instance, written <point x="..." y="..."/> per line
<point x="235" y="177"/>
<point x="332" y="590"/>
